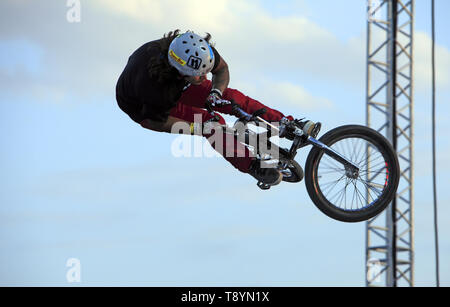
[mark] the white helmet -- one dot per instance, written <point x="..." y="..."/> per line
<point x="191" y="55"/>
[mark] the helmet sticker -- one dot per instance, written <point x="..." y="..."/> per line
<point x="177" y="58"/>
<point x="211" y="53"/>
<point x="194" y="62"/>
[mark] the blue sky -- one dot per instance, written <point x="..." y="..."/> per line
<point x="81" y="180"/>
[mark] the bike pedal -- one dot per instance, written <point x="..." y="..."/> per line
<point x="263" y="186"/>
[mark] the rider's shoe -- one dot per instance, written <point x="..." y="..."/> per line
<point x="268" y="176"/>
<point x="310" y="128"/>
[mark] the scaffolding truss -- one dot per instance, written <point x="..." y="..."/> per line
<point x="389" y="236"/>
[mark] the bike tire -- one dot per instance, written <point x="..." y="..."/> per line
<point x="295" y="172"/>
<point x="392" y="174"/>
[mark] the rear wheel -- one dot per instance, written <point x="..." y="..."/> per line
<point x="348" y="197"/>
<point x="293" y="172"/>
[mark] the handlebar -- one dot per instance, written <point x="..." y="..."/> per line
<point x="242" y="115"/>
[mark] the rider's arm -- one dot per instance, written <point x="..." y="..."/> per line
<point x="182" y="126"/>
<point x="166" y="126"/>
<point x="221" y="76"/>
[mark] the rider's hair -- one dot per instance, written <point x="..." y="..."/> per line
<point x="158" y="67"/>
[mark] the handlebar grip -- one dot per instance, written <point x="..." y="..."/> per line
<point x="239" y="112"/>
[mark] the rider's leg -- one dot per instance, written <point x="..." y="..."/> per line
<point x="228" y="146"/>
<point x="195" y="96"/>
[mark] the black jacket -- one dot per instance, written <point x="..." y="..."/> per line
<point x="142" y="97"/>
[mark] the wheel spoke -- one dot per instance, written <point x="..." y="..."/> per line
<point x="333" y="184"/>
<point x="373" y="186"/>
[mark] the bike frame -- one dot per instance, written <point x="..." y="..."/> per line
<point x="300" y="140"/>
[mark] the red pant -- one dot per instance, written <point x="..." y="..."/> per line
<point x="193" y="101"/>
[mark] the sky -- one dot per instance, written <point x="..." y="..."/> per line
<point x="81" y="181"/>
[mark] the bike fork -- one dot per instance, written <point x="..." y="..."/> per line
<point x="351" y="170"/>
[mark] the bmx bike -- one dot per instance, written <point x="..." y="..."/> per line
<point x="351" y="173"/>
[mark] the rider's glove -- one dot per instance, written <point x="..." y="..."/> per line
<point x="204" y="128"/>
<point x="215" y="99"/>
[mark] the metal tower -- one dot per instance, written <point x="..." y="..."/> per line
<point x="389" y="236"/>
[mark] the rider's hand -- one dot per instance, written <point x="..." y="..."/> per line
<point x="215" y="99"/>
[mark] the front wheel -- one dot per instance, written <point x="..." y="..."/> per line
<point x="348" y="197"/>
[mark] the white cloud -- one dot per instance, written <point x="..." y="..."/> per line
<point x="292" y="96"/>
<point x="138" y="9"/>
<point x="195" y="15"/>
<point x="85" y="59"/>
<point x="422" y="63"/>
<point x="253" y="40"/>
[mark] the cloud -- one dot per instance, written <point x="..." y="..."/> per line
<point x="80" y="59"/>
<point x="85" y="59"/>
<point x="194" y="15"/>
<point x="298" y="96"/>
<point x="137" y="9"/>
<point x="291" y="96"/>
<point x="422" y="63"/>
